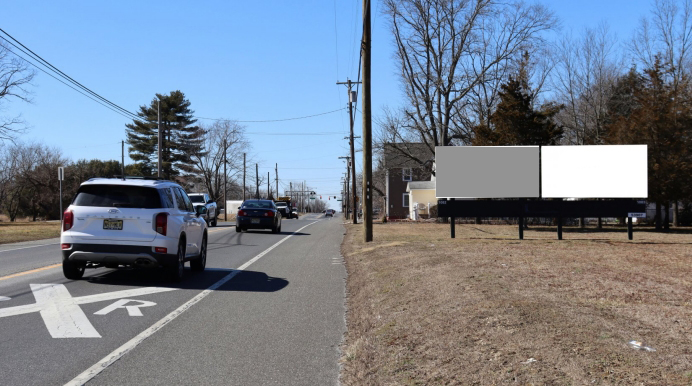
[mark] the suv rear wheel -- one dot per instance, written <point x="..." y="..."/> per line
<point x="73" y="270"/>
<point x="200" y="262"/>
<point x="177" y="270"/>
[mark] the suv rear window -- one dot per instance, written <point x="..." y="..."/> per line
<point x="197" y="199"/>
<point x="121" y="196"/>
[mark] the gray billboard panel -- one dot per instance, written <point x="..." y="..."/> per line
<point x="486" y="171"/>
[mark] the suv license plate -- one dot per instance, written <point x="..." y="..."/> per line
<point x="116" y="225"/>
<point x="255" y="221"/>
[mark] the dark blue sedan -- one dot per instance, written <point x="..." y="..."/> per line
<point x="258" y="214"/>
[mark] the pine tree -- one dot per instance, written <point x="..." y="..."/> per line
<point x="181" y="137"/>
<point x="515" y="121"/>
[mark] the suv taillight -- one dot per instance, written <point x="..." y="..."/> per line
<point x="161" y="223"/>
<point x="241" y="213"/>
<point x="67" y="220"/>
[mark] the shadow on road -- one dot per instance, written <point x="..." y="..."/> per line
<point x="250" y="281"/>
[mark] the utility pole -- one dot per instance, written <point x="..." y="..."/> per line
<point x="351" y="100"/>
<point x="290" y="187"/>
<point x="277" y="180"/>
<point x="158" y="118"/>
<point x="244" y="177"/>
<point x="225" y="183"/>
<point x="122" y="165"/>
<point x="257" y="180"/>
<point x="267" y="185"/>
<point x="347" y="189"/>
<point x="367" y="125"/>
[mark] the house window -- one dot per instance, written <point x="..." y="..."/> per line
<point x="406" y="199"/>
<point x="407" y="174"/>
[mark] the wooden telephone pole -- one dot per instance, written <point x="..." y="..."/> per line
<point x="367" y="125"/>
<point x="351" y="100"/>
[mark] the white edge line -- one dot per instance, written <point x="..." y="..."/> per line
<point x="118" y="353"/>
<point x="30" y="246"/>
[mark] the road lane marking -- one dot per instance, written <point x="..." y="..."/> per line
<point x="132" y="310"/>
<point x="108" y="360"/>
<point x="30" y="246"/>
<point x="30" y="271"/>
<point x="62" y="317"/>
<point x="61" y="312"/>
<point x="4" y="298"/>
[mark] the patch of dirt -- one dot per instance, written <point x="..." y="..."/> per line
<point x="427" y="309"/>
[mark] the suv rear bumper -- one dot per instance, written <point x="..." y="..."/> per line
<point x="134" y="255"/>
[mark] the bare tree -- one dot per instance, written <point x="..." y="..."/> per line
<point x="15" y="77"/>
<point x="586" y="71"/>
<point x="448" y="51"/>
<point x="667" y="34"/>
<point x="223" y="140"/>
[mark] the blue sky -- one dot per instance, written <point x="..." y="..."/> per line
<point x="241" y="60"/>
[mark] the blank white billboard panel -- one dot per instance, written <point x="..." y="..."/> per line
<point x="599" y="171"/>
<point x="486" y="171"/>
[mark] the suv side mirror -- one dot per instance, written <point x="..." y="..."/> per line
<point x="200" y="210"/>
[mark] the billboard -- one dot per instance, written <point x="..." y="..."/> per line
<point x="486" y="171"/>
<point x="597" y="171"/>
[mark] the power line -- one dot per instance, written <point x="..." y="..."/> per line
<point x="61" y="81"/>
<point x="273" y="120"/>
<point x="51" y="67"/>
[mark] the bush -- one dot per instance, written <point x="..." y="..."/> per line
<point x="433" y="211"/>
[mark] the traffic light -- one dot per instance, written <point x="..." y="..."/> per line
<point x="320" y="197"/>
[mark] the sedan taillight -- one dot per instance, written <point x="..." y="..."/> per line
<point x="161" y="223"/>
<point x="242" y="213"/>
<point x="269" y="213"/>
<point x="67" y="220"/>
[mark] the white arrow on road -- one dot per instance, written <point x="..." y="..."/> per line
<point x="61" y="312"/>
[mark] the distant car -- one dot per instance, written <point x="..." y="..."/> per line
<point x="141" y="223"/>
<point x="294" y="213"/>
<point x="284" y="208"/>
<point x="328" y="213"/>
<point x="258" y="214"/>
<point x="203" y="199"/>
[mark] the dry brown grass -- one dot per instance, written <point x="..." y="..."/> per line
<point x="12" y="232"/>
<point x="426" y="309"/>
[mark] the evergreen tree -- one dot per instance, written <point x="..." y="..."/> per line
<point x="515" y="121"/>
<point x="181" y="137"/>
<point x="655" y="110"/>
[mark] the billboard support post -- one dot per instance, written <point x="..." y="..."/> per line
<point x="629" y="228"/>
<point x="452" y="220"/>
<point x="559" y="227"/>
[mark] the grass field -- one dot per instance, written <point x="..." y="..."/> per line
<point x="12" y="232"/>
<point x="486" y="308"/>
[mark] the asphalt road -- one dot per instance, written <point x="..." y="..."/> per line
<point x="269" y="309"/>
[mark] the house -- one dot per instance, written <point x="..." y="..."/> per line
<point x="404" y="163"/>
<point x="422" y="193"/>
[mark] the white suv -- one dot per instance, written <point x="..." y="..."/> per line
<point x="132" y="222"/>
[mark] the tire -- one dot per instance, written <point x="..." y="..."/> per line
<point x="72" y="270"/>
<point x="200" y="262"/>
<point x="275" y="229"/>
<point x="176" y="271"/>
<point x="238" y="229"/>
<point x="213" y="223"/>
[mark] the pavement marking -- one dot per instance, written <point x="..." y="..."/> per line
<point x="61" y="312"/>
<point x="63" y="318"/>
<point x="31" y="271"/>
<point x="54" y="265"/>
<point x="108" y="360"/>
<point x="30" y="246"/>
<point x="4" y="298"/>
<point x="132" y="310"/>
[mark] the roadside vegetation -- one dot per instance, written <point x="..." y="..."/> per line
<point x="486" y="308"/>
<point x="12" y="232"/>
